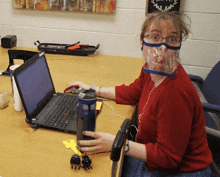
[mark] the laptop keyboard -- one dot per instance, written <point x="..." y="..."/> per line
<point x="64" y="113"/>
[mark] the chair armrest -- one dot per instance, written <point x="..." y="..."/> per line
<point x="196" y="79"/>
<point x="120" y="139"/>
<point x="211" y="108"/>
<point x="212" y="132"/>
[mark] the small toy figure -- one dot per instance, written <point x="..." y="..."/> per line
<point x="86" y="162"/>
<point x="75" y="160"/>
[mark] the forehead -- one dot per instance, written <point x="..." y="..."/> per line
<point x="163" y="26"/>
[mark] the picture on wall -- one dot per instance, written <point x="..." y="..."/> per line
<point x="163" y="5"/>
<point x="95" y="6"/>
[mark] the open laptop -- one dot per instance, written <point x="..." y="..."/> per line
<point x="41" y="103"/>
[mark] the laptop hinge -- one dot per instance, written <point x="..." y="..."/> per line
<point x="30" y="122"/>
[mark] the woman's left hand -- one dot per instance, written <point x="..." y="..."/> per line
<point x="102" y="142"/>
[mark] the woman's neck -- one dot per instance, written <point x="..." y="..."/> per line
<point x="157" y="79"/>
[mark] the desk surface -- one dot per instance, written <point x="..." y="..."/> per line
<point x="28" y="152"/>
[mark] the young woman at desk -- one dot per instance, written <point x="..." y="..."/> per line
<point x="171" y="138"/>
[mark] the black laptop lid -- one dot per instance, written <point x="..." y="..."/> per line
<point x="35" y="85"/>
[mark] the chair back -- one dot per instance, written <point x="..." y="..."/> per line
<point x="19" y="54"/>
<point x="211" y="85"/>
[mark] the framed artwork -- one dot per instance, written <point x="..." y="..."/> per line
<point x="163" y="5"/>
<point x="94" y="6"/>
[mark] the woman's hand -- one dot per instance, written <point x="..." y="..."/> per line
<point x="102" y="142"/>
<point x="78" y="84"/>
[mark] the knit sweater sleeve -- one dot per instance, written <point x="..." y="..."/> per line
<point x="132" y="93"/>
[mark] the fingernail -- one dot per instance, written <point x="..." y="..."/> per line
<point x="78" y="142"/>
<point x="84" y="133"/>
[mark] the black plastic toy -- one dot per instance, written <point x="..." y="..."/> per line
<point x="86" y="162"/>
<point x="75" y="161"/>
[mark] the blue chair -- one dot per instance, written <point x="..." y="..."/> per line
<point x="209" y="93"/>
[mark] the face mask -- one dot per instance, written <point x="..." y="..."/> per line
<point x="161" y="58"/>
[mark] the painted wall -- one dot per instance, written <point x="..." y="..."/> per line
<point x="118" y="34"/>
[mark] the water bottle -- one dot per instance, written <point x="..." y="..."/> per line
<point x="17" y="99"/>
<point x="86" y="118"/>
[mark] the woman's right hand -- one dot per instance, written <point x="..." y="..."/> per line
<point x="78" y="84"/>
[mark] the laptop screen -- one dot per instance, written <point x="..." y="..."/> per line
<point x="35" y="83"/>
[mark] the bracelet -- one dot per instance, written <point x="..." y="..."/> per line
<point x="99" y="91"/>
<point x="127" y="146"/>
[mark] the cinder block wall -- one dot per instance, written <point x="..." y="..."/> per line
<point x="202" y="50"/>
<point x="118" y="34"/>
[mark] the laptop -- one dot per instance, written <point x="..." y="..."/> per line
<point x="43" y="106"/>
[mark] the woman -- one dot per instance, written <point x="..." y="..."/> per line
<point x="171" y="138"/>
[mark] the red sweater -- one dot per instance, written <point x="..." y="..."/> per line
<point x="172" y="125"/>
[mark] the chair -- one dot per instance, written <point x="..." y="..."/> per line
<point x="18" y="54"/>
<point x="209" y="93"/>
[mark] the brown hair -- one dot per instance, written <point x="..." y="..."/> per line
<point x="176" y="17"/>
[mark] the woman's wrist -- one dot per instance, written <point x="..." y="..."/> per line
<point x="98" y="91"/>
<point x="105" y="92"/>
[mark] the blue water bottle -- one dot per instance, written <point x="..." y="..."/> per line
<point x="86" y="118"/>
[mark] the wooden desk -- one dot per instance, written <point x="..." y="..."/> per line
<point x="27" y="152"/>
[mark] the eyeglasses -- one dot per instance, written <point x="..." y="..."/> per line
<point x="156" y="38"/>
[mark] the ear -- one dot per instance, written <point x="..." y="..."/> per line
<point x="141" y="44"/>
